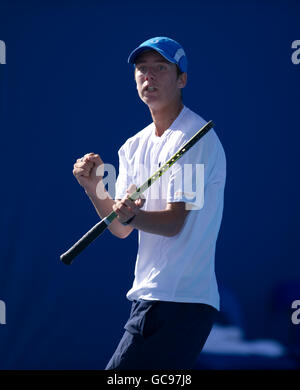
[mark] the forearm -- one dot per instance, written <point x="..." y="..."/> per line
<point x="164" y="222"/>
<point x="103" y="205"/>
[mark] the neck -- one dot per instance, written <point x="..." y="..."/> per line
<point x="164" y="117"/>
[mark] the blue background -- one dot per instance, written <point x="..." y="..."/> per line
<point x="67" y="90"/>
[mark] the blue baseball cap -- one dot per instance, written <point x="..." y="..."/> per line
<point x="167" y="47"/>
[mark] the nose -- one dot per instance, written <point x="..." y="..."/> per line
<point x="149" y="77"/>
<point x="150" y="74"/>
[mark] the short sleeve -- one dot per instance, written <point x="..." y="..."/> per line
<point x="190" y="173"/>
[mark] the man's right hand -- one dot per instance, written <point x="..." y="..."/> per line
<point x="85" y="170"/>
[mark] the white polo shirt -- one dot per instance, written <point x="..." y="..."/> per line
<point x="179" y="268"/>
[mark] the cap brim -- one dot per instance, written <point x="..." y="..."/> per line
<point x="132" y="57"/>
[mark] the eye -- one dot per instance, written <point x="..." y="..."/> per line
<point x="142" y="68"/>
<point x="161" y="68"/>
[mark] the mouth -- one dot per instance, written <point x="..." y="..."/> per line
<point x="150" y="89"/>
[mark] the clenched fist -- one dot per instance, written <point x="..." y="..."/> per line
<point x="88" y="171"/>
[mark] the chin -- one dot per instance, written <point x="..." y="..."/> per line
<point x="153" y="104"/>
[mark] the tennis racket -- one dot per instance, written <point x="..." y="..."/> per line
<point x="102" y="225"/>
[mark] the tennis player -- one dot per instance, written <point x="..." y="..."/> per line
<point x="174" y="293"/>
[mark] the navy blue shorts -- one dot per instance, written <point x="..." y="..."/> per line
<point x="163" y="335"/>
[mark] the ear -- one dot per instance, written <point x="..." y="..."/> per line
<point x="182" y="80"/>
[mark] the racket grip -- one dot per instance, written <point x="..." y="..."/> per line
<point x="84" y="241"/>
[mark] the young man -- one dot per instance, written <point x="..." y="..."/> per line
<point x="174" y="293"/>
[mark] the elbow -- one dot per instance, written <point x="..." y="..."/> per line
<point x="176" y="221"/>
<point x="121" y="233"/>
<point x="176" y="227"/>
<point x="172" y="232"/>
<point x="124" y="235"/>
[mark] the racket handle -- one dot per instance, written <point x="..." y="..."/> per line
<point x="84" y="241"/>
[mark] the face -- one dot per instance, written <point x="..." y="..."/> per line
<point x="157" y="81"/>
